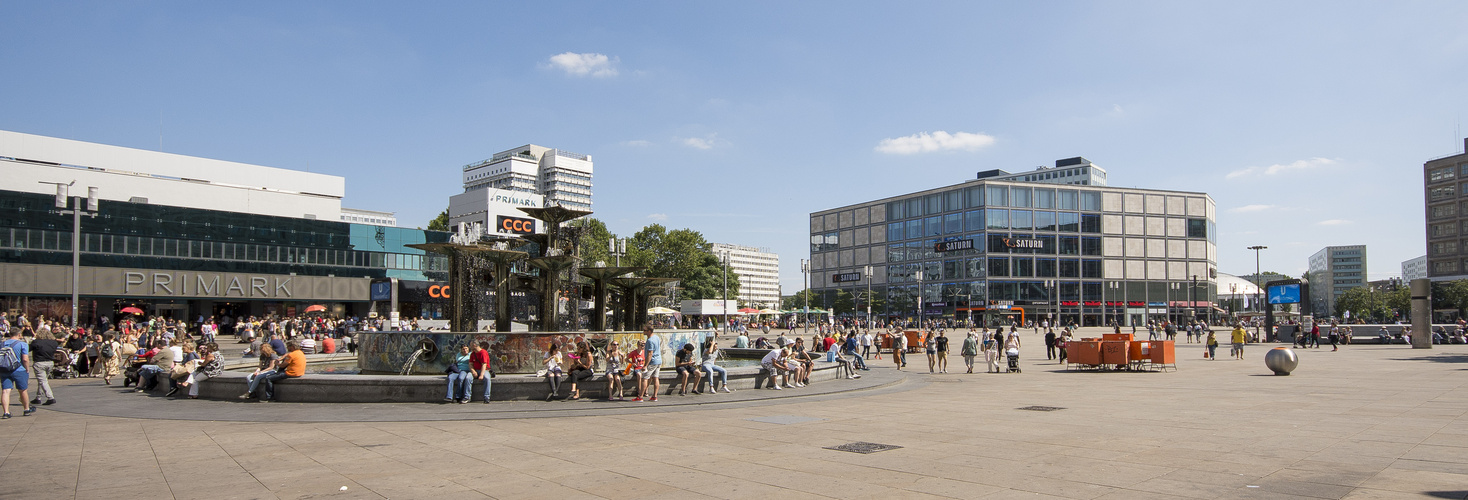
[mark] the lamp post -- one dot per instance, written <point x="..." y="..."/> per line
<point x="919" y="276"/>
<point x="1193" y="297"/>
<point x="1115" y="287"/>
<point x="805" y="269"/>
<point x="1172" y="289"/>
<point x="1232" y="296"/>
<point x="724" y="304"/>
<point x="618" y="248"/>
<point x="63" y="194"/>
<point x="867" y="270"/>
<point x="1051" y="286"/>
<point x="1258" y="284"/>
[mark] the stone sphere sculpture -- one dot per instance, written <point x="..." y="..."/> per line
<point x="1282" y="360"/>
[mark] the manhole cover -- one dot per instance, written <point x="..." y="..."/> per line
<point x="1040" y="408"/>
<point x="785" y="419"/>
<point x="863" y="448"/>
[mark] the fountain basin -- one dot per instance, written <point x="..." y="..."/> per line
<point x="511" y="352"/>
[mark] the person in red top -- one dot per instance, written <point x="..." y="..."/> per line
<point x="480" y="368"/>
<point x="827" y="342"/>
<point x="328" y="345"/>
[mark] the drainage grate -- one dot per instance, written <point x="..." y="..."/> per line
<point x="863" y="448"/>
<point x="1040" y="408"/>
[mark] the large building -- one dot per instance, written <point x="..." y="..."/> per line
<point x="562" y="177"/>
<point x="759" y="273"/>
<point x="1002" y="249"/>
<point x="185" y="237"/>
<point x="1414" y="269"/>
<point x="1073" y="171"/>
<point x="1333" y="271"/>
<point x="1446" y="193"/>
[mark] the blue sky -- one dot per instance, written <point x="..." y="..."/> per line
<point x="1308" y="122"/>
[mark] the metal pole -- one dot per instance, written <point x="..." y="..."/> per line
<point x="1259" y="287"/>
<point x="76" y="256"/>
<point x="920" y="298"/>
<point x="805" y="269"/>
<point x="869" y="296"/>
<point x="725" y="305"/>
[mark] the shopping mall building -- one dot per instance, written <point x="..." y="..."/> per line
<point x="1053" y="243"/>
<point x="185" y="237"/>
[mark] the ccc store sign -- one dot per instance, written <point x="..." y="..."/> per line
<point x="438" y="291"/>
<point x="515" y="225"/>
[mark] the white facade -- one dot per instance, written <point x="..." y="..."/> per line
<point x="709" y="307"/>
<point x="1333" y="271"/>
<point x="1076" y="171"/>
<point x="562" y="177"/>
<point x="758" y="270"/>
<point x="126" y="174"/>
<point x="373" y="217"/>
<point x="497" y="209"/>
<point x="1414" y="269"/>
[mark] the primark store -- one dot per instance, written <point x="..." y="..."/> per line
<point x="1004" y="248"/>
<point x="184" y="237"/>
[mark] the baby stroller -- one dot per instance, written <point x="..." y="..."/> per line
<point x="64" y="365"/>
<point x="1013" y="355"/>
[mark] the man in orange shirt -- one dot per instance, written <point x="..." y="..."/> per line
<point x="292" y="365"/>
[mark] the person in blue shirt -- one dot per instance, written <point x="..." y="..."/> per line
<point x="17" y="377"/>
<point x="461" y="380"/>
<point x="276" y="343"/>
<point x="647" y="387"/>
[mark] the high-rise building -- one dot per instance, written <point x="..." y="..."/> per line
<point x="759" y="273"/>
<point x="1333" y="271"/>
<point x="1414" y="269"/>
<point x="1003" y="248"/>
<point x="1447" y="212"/>
<point x="563" y="177"/>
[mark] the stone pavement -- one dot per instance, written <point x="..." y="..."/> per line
<point x="1369" y="422"/>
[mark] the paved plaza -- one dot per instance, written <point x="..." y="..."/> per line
<point x="1365" y="422"/>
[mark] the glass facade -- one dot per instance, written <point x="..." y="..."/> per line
<point x="140" y="235"/>
<point x="1066" y="253"/>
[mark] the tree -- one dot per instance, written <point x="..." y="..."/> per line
<point x="682" y="254"/>
<point x="440" y="223"/>
<point x="594" y="242"/>
<point x="844" y="303"/>
<point x="798" y="300"/>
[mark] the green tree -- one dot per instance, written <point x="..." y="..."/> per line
<point x="594" y="242"/>
<point x="682" y="254"/>
<point x="844" y="303"/>
<point x="440" y="223"/>
<point x="798" y="300"/>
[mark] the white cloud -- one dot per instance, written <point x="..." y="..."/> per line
<point x="1278" y="168"/>
<point x="1251" y="208"/>
<point x="925" y="142"/>
<point x="1334" y="222"/>
<point x="588" y="64"/>
<point x="706" y="142"/>
<point x="657" y="216"/>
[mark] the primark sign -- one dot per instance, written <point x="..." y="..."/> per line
<point x="38" y="279"/>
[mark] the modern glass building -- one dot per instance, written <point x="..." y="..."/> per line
<point x="1000" y="251"/>
<point x="186" y="237"/>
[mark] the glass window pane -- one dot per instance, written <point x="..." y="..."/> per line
<point x="1069" y="222"/>
<point x="1070" y="268"/>
<point x="1065" y="199"/>
<point x="933" y="204"/>
<point x="933" y="226"/>
<point x="1091" y="269"/>
<point x="1020" y="219"/>
<point x="1023" y="266"/>
<point x="974" y="220"/>
<point x="1070" y="245"/>
<point x="1090" y="246"/>
<point x="1044" y="221"/>
<point x="1045" y="268"/>
<point x="1019" y="197"/>
<point x="952" y="223"/>
<point x="997" y="218"/>
<point x="997" y="196"/>
<point x="998" y="267"/>
<point x="975" y="197"/>
<point x="1044" y="198"/>
<point x="1090" y="223"/>
<point x="1091" y="200"/>
<point x="915" y="207"/>
<point x="953" y="200"/>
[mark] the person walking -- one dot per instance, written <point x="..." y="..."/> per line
<point x="1239" y="336"/>
<point x="43" y="353"/>
<point x="15" y="366"/>
<point x="1212" y="344"/>
<point x="110" y="357"/>
<point x="866" y="346"/>
<point x="930" y="349"/>
<point x="1050" y="344"/>
<point x="970" y="350"/>
<point x="899" y="344"/>
<point x="942" y="345"/>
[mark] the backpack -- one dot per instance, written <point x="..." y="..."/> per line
<point x="8" y="360"/>
<point x="106" y="351"/>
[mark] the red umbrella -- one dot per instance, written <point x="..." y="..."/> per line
<point x="131" y="310"/>
<point x="316" y="308"/>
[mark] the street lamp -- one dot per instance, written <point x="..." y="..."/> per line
<point x="1115" y="287"/>
<point x="63" y="193"/>
<point x="1232" y="296"/>
<point x="1052" y="286"/>
<point x="1172" y="289"/>
<point x="1258" y="284"/>
<point x="919" y="275"/>
<point x="618" y="248"/>
<point x="724" y="304"/>
<point x="867" y="270"/>
<point x="805" y="269"/>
